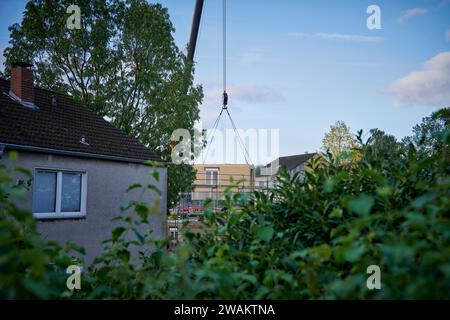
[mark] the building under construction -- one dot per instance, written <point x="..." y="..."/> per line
<point x="212" y="182"/>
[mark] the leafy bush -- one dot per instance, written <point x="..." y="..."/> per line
<point x="315" y="238"/>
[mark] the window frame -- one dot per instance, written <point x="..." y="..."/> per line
<point x="173" y="233"/>
<point x="58" y="214"/>
<point x="210" y="182"/>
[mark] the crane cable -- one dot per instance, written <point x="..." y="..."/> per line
<point x="240" y="141"/>
<point x="225" y="94"/>
<point x="216" y="123"/>
<point x="224" y="46"/>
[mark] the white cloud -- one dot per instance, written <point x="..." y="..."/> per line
<point x="251" y="93"/>
<point x="255" y="93"/>
<point x="208" y="116"/>
<point x="253" y="55"/>
<point x="429" y="87"/>
<point x="414" y="12"/>
<point x="238" y="94"/>
<point x="338" y="36"/>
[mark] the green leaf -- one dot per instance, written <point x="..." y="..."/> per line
<point x="422" y="200"/>
<point x="324" y="251"/>
<point x="336" y="213"/>
<point x="13" y="155"/>
<point x="124" y="255"/>
<point x="77" y="248"/>
<point x="361" y="205"/>
<point x="248" y="277"/>
<point x="140" y="237"/>
<point x="299" y="254"/>
<point x="265" y="233"/>
<point x="328" y="185"/>
<point x="24" y="171"/>
<point x="127" y="205"/>
<point x="117" y="232"/>
<point x="153" y="187"/>
<point x="40" y="290"/>
<point x="142" y="210"/>
<point x="155" y="175"/>
<point x="134" y="186"/>
<point x="354" y="252"/>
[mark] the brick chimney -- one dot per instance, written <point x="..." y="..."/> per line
<point x="22" y="82"/>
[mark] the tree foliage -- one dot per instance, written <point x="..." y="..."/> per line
<point x="123" y="63"/>
<point x="427" y="135"/>
<point x="338" y="139"/>
<point x="383" y="145"/>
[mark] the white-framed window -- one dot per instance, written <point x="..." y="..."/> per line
<point x="212" y="176"/>
<point x="174" y="233"/>
<point x="59" y="193"/>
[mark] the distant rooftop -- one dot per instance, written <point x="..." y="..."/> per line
<point x="291" y="162"/>
<point x="294" y="161"/>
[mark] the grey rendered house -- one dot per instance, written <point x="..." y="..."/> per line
<point x="81" y="164"/>
<point x="266" y="176"/>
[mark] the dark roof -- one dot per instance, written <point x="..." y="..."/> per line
<point x="63" y="126"/>
<point x="291" y="162"/>
<point x="21" y="64"/>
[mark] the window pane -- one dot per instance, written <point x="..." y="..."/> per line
<point x="212" y="176"/>
<point x="44" y="195"/>
<point x="71" y="192"/>
<point x="208" y="177"/>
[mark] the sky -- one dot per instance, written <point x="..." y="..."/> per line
<point x="299" y="66"/>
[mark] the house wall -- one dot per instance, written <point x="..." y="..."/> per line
<point x="300" y="168"/>
<point x="269" y="174"/>
<point x="263" y="182"/>
<point x="272" y="169"/>
<point x="237" y="171"/>
<point x="107" y="182"/>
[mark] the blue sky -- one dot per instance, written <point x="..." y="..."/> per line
<point x="299" y="66"/>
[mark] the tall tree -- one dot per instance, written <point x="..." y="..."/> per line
<point x="382" y="145"/>
<point x="427" y="134"/>
<point x="123" y="63"/>
<point x="338" y="139"/>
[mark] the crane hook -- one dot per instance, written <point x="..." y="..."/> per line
<point x="224" y="100"/>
